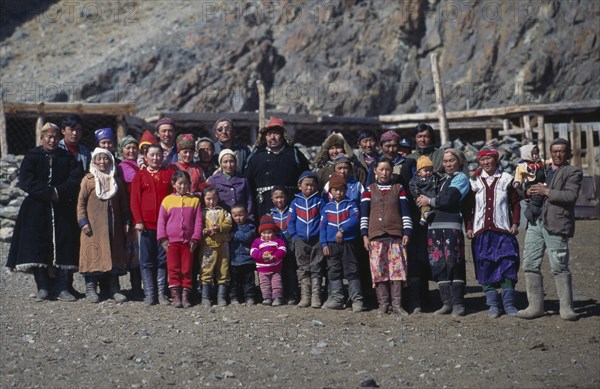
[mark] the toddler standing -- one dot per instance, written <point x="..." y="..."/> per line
<point x="179" y="232"/>
<point x="242" y="264"/>
<point x="425" y="182"/>
<point x="215" y="248"/>
<point x="268" y="250"/>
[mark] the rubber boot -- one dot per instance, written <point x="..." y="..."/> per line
<point x="185" y="297"/>
<point x="491" y="299"/>
<point x="206" y="296"/>
<point x="383" y="297"/>
<point x="315" y="298"/>
<point x="176" y="296"/>
<point x="305" y="293"/>
<point x="104" y="287"/>
<point x="90" y="289"/>
<point x="355" y="292"/>
<point x="396" y="292"/>
<point x="135" y="278"/>
<point x="458" y="298"/>
<point x="564" y="290"/>
<point x="63" y="286"/>
<point x="414" y="298"/>
<point x="336" y="295"/>
<point x="72" y="289"/>
<point x="42" y="281"/>
<point x="508" y="301"/>
<point x="222" y="295"/>
<point x="161" y="284"/>
<point x="534" y="284"/>
<point x="115" y="294"/>
<point x="149" y="286"/>
<point x="446" y="296"/>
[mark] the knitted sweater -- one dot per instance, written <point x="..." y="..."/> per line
<point x="219" y="217"/>
<point x="277" y="249"/>
<point x="375" y="221"/>
<point x="147" y="193"/>
<point x="180" y="219"/>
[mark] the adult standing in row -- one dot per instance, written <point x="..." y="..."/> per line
<point x="232" y="188"/>
<point x="224" y="133"/>
<point x="46" y="233"/>
<point x="492" y="221"/>
<point x="275" y="161"/>
<point x="72" y="131"/>
<point x="367" y="150"/>
<point x="445" y="234"/>
<point x="425" y="145"/>
<point x="551" y="232"/>
<point x="166" y="133"/>
<point x="403" y="168"/>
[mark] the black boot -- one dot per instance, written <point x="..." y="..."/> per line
<point x="135" y="278"/>
<point x="42" y="280"/>
<point x="222" y="295"/>
<point x="149" y="286"/>
<point x="458" y="298"/>
<point x="90" y="289"/>
<point x="446" y="296"/>
<point x="63" y="286"/>
<point x="104" y="286"/>
<point x="115" y="293"/>
<point x="161" y="283"/>
<point x="72" y="289"/>
<point x="206" y="296"/>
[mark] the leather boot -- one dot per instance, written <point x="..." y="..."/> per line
<point x="305" y="293"/>
<point x="115" y="294"/>
<point x="63" y="286"/>
<point x="383" y="296"/>
<point x="458" y="298"/>
<point x="222" y="295"/>
<point x="355" y="292"/>
<point x="414" y="299"/>
<point x="176" y="296"/>
<point x="104" y="287"/>
<point x="564" y="290"/>
<point x="336" y="295"/>
<point x="72" y="289"/>
<point x="508" y="301"/>
<point x="42" y="281"/>
<point x="315" y="298"/>
<point x="161" y="284"/>
<point x="135" y="278"/>
<point x="446" y="296"/>
<point x="149" y="286"/>
<point x="534" y="284"/>
<point x="185" y="297"/>
<point x="491" y="299"/>
<point x="206" y="296"/>
<point x="90" y="289"/>
<point x="396" y="292"/>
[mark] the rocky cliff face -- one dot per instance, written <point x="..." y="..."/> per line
<point x="343" y="57"/>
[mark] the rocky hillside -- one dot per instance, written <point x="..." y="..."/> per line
<point x="343" y="57"/>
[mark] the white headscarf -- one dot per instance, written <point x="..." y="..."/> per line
<point x="526" y="152"/>
<point x="106" y="185"/>
<point x="223" y="153"/>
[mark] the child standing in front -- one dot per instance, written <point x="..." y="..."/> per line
<point x="179" y="232"/>
<point x="242" y="264"/>
<point x="280" y="212"/>
<point x="425" y="182"/>
<point x="215" y="248"/>
<point x="303" y="228"/>
<point x="268" y="250"/>
<point x="340" y="238"/>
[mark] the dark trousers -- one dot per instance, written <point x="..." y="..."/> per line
<point x="309" y="258"/>
<point x="152" y="254"/>
<point x="342" y="261"/>
<point x="242" y="281"/>
<point x="289" y="277"/>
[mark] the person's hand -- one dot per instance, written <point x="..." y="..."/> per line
<point x="538" y="190"/>
<point x="339" y="237"/>
<point x="423" y="201"/>
<point x="87" y="230"/>
<point x="366" y="242"/>
<point x="470" y="234"/>
<point x="405" y="240"/>
<point x="140" y="227"/>
<point x="165" y="245"/>
<point x="514" y="229"/>
<point x="266" y="256"/>
<point x="326" y="251"/>
<point x="193" y="245"/>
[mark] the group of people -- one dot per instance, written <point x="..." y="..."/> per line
<point x="186" y="217"/>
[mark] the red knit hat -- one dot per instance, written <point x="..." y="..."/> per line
<point x="337" y="181"/>
<point x="147" y="139"/>
<point x="488" y="151"/>
<point x="267" y="222"/>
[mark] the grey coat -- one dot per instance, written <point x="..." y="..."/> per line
<point x="558" y="212"/>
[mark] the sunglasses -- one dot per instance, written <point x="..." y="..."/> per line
<point x="225" y="129"/>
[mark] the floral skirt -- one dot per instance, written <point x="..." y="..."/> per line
<point x="446" y="249"/>
<point x="496" y="257"/>
<point x="387" y="260"/>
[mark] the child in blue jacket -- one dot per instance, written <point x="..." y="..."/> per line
<point x="340" y="238"/>
<point x="303" y="229"/>
<point x="242" y="265"/>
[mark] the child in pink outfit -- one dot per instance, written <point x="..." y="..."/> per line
<point x="269" y="251"/>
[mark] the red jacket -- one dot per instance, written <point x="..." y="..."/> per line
<point x="147" y="192"/>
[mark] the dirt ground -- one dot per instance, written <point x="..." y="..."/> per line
<point x="56" y="344"/>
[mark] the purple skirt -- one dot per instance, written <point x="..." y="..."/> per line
<point x="496" y="257"/>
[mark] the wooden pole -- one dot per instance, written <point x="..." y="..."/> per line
<point x="38" y="129"/>
<point x="121" y="130"/>
<point x="262" y="121"/>
<point x="439" y="99"/>
<point x="576" y="143"/>
<point x="527" y="127"/>
<point x="3" y="137"/>
<point x="541" y="137"/>
<point x="488" y="135"/>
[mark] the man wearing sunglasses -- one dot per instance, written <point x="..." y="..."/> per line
<point x="224" y="133"/>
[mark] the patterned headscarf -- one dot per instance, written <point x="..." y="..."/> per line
<point x="461" y="158"/>
<point x="106" y="185"/>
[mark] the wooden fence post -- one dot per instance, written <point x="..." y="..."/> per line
<point x="3" y="137"/>
<point x="575" y="143"/>
<point x="121" y="129"/>
<point x="439" y="99"/>
<point x="38" y="129"/>
<point x="527" y="126"/>
<point x="261" y="104"/>
<point x="541" y="137"/>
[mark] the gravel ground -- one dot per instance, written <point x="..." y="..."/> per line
<point x="56" y="344"/>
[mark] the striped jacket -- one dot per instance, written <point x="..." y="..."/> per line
<point x="180" y="219"/>
<point x="305" y="217"/>
<point x="342" y="216"/>
<point x="277" y="249"/>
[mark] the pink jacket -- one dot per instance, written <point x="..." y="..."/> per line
<point x="180" y="219"/>
<point x="277" y="249"/>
